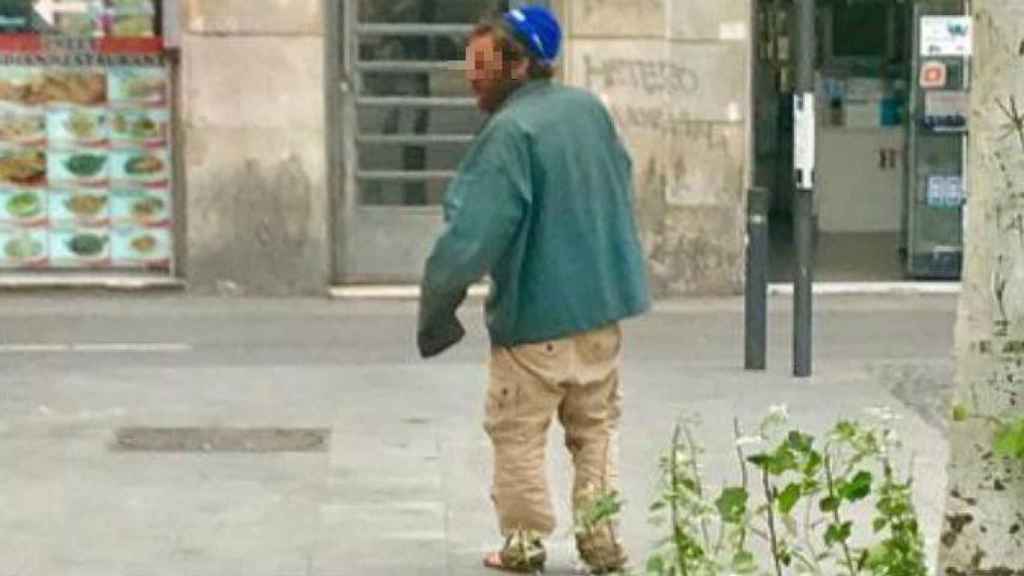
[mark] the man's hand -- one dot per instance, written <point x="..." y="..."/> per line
<point x="439" y="336"/>
<point x="439" y="328"/>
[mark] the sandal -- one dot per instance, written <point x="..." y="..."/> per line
<point x="602" y="555"/>
<point x="518" y="557"/>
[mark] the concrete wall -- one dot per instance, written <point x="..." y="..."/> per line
<point x="675" y="74"/>
<point x="254" y="146"/>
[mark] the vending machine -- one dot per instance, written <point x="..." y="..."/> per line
<point x="936" y="191"/>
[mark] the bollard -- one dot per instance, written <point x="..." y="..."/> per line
<point x="756" y="309"/>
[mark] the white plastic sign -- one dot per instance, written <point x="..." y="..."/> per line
<point x="946" y="36"/>
<point x="803" y="146"/>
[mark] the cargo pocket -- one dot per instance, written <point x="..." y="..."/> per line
<point x="548" y="361"/>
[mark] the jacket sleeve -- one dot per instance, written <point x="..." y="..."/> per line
<point x="484" y="208"/>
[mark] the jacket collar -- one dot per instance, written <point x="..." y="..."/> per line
<point x="525" y="90"/>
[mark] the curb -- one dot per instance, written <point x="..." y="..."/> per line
<point x="872" y="288"/>
<point x="113" y="283"/>
<point x="412" y="292"/>
<point x="391" y="292"/>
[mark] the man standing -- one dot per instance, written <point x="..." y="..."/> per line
<point x="543" y="205"/>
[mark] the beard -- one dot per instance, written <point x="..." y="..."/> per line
<point x="491" y="96"/>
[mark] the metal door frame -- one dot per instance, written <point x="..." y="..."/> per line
<point x="333" y="133"/>
<point x="344" y="98"/>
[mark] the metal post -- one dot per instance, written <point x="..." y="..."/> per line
<point x="757" y="280"/>
<point x="804" y="109"/>
<point x="802" y="294"/>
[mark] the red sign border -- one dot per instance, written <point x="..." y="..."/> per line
<point x="36" y="44"/>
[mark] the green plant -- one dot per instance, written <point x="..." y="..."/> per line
<point x="717" y="532"/>
<point x="690" y="548"/>
<point x="602" y="509"/>
<point x="1008" y="440"/>
<point x="901" y="553"/>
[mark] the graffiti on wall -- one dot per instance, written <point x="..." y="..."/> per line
<point x="649" y="95"/>
<point x="651" y="77"/>
<point x="656" y="95"/>
<point x="688" y="160"/>
<point x="674" y="124"/>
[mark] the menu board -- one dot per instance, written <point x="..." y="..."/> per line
<point x="85" y="155"/>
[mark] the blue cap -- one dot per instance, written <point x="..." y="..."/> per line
<point x="538" y="28"/>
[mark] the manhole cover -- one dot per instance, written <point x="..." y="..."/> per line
<point x="221" y="439"/>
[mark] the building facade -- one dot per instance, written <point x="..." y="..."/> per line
<point x="310" y="141"/>
<point x="282" y="196"/>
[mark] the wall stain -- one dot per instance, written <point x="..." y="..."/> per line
<point x="956" y="523"/>
<point x="257" y="230"/>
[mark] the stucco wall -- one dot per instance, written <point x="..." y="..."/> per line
<point x="254" y="146"/>
<point x="674" y="74"/>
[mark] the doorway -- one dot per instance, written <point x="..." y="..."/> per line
<point x="864" y="67"/>
<point x="401" y="120"/>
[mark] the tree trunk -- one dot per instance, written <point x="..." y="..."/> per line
<point x="983" y="531"/>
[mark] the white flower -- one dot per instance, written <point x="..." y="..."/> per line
<point x="779" y="411"/>
<point x="749" y="441"/>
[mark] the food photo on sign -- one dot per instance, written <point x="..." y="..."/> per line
<point x="38" y="86"/>
<point x="141" y="167"/>
<point x="23" y="207"/>
<point x="77" y="127"/>
<point x="23" y="167"/>
<point x="138" y="85"/>
<point x="140" y="246"/>
<point x="140" y="207"/>
<point x="81" y="167"/>
<point x="78" y="246"/>
<point x="23" y="247"/>
<point x="22" y="126"/>
<point x="133" y="128"/>
<point x="79" y="207"/>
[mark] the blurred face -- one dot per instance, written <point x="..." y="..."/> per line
<point x="490" y="77"/>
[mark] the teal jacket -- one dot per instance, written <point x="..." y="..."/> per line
<point x="543" y="203"/>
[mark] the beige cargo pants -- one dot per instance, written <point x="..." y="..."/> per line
<point x="578" y="379"/>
